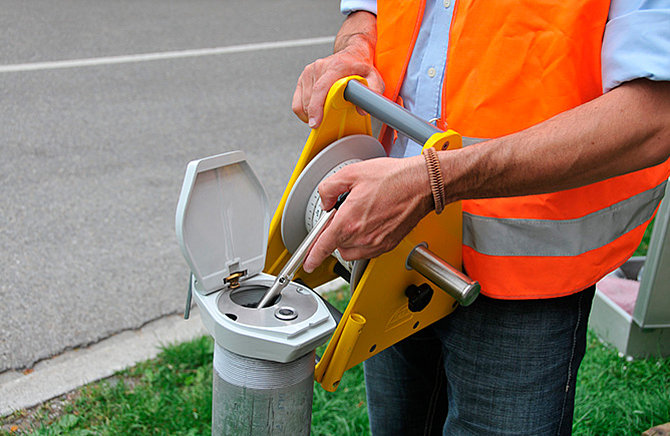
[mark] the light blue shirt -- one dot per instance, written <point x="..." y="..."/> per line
<point x="636" y="44"/>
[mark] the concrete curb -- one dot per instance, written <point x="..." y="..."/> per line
<point x="72" y="369"/>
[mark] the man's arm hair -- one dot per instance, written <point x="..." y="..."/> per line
<point x="360" y="25"/>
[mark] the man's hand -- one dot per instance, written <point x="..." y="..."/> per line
<point x="387" y="198"/>
<point x="354" y="54"/>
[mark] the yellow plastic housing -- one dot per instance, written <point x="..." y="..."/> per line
<point x="377" y="315"/>
<point x="340" y="119"/>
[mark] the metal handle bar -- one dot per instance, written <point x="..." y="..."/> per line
<point x="389" y="112"/>
<point x="449" y="279"/>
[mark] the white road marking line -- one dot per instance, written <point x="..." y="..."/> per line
<point x="110" y="60"/>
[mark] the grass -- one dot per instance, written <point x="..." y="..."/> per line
<point x="171" y="395"/>
<point x="644" y="245"/>
<point x="168" y="395"/>
<point x="616" y="396"/>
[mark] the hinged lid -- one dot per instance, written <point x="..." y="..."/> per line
<point x="222" y="220"/>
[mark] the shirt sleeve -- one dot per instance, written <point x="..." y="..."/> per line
<point x="636" y="43"/>
<point x="349" y="6"/>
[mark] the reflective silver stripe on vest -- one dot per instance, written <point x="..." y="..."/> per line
<point x="471" y="141"/>
<point x="539" y="237"/>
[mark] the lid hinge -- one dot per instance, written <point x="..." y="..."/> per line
<point x="233" y="280"/>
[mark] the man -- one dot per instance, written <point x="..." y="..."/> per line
<point x="557" y="187"/>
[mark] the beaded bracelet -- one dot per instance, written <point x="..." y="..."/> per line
<point x="435" y="178"/>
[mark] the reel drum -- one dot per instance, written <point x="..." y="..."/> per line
<point x="303" y="205"/>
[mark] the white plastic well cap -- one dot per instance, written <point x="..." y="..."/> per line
<point x="222" y="219"/>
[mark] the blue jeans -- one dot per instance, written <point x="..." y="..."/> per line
<point x="494" y="368"/>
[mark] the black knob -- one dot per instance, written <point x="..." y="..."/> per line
<point x="418" y="297"/>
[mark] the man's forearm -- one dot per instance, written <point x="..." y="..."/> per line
<point x="624" y="130"/>
<point x="354" y="55"/>
<point x="359" y="29"/>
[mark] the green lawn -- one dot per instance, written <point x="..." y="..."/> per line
<point x="619" y="397"/>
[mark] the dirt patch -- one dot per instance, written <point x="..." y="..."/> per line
<point x="26" y="420"/>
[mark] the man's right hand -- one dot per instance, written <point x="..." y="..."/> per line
<point x="354" y="55"/>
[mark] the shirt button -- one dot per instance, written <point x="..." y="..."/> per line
<point x="431" y="72"/>
<point x="447" y="3"/>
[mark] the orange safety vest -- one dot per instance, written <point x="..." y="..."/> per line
<point x="512" y="64"/>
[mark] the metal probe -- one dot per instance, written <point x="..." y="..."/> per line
<point x="298" y="257"/>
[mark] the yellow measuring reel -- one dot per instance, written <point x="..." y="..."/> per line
<point x="391" y="299"/>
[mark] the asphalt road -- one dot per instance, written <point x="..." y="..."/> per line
<point x="92" y="157"/>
